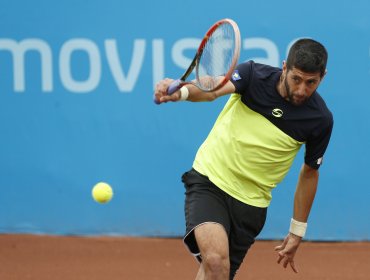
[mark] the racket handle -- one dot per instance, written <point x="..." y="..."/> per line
<point x="174" y="86"/>
<point x="156" y="101"/>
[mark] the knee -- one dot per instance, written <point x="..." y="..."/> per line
<point x="216" y="263"/>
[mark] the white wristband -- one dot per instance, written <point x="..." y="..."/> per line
<point x="297" y="228"/>
<point x="184" y="93"/>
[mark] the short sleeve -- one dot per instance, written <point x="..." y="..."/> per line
<point x="318" y="142"/>
<point x="242" y="76"/>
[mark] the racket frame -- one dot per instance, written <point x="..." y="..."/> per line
<point x="177" y="84"/>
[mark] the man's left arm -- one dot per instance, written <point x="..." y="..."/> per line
<point x="303" y="199"/>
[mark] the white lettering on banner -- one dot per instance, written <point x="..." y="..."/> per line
<point x="267" y="45"/>
<point x="18" y="51"/>
<point x="158" y="60"/>
<point x="125" y="84"/>
<point x="182" y="53"/>
<point x="178" y="51"/>
<point x="65" y="65"/>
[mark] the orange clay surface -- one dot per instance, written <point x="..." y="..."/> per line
<point x="38" y="257"/>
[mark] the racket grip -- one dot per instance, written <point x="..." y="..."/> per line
<point x="174" y="86"/>
<point x="156" y="101"/>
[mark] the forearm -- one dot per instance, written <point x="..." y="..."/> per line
<point x="303" y="199"/>
<point x="197" y="95"/>
<point x="189" y="92"/>
<point x="305" y="193"/>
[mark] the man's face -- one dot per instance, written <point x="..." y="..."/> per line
<point x="299" y="85"/>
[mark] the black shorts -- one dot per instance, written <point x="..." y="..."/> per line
<point x="205" y="202"/>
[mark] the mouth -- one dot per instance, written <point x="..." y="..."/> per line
<point x="298" y="99"/>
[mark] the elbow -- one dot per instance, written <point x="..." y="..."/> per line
<point x="308" y="171"/>
<point x="211" y="96"/>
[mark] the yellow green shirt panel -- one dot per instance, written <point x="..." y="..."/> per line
<point x="246" y="155"/>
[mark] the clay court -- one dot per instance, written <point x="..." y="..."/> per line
<point x="24" y="257"/>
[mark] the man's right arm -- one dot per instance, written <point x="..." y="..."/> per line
<point x="195" y="94"/>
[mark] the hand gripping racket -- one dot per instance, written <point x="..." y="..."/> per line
<point x="215" y="60"/>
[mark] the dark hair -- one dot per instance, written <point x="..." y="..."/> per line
<point x="308" y="55"/>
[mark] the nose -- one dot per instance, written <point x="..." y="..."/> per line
<point x="302" y="89"/>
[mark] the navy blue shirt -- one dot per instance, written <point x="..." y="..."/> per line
<point x="311" y="122"/>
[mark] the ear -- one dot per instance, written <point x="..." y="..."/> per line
<point x="284" y="65"/>
<point x="322" y="78"/>
<point x="284" y="68"/>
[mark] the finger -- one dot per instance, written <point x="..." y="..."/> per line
<point x="156" y="98"/>
<point x="159" y="90"/>
<point x="160" y="87"/>
<point x="278" y="248"/>
<point x="282" y="245"/>
<point x="286" y="261"/>
<point x="172" y="97"/>
<point x="280" y="258"/>
<point x="292" y="265"/>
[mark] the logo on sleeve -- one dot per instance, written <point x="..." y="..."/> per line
<point x="319" y="161"/>
<point x="235" y="76"/>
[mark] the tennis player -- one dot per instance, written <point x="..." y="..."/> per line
<point x="270" y="114"/>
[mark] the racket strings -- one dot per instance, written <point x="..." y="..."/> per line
<point x="217" y="57"/>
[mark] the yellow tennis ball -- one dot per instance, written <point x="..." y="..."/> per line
<point x="102" y="192"/>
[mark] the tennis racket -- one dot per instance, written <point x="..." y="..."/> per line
<point x="215" y="59"/>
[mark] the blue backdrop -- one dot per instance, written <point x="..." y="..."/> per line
<point x="76" y="83"/>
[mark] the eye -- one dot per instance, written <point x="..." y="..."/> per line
<point x="296" y="79"/>
<point x="311" y="82"/>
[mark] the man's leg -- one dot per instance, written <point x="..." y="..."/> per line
<point x="212" y="241"/>
<point x="200" y="275"/>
